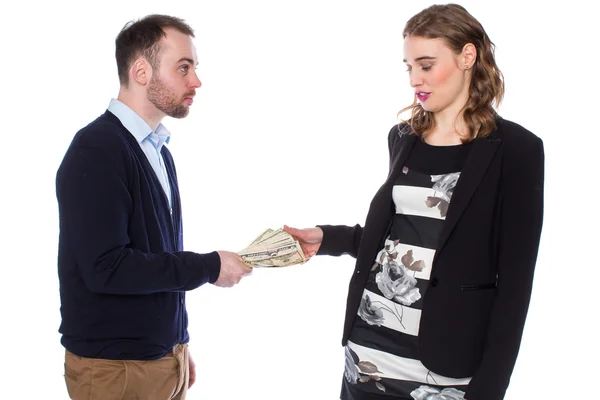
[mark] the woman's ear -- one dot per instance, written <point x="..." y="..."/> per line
<point x="468" y="56"/>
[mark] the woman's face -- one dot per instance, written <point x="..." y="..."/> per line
<point x="439" y="76"/>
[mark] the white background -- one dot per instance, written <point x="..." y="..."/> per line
<point x="290" y="126"/>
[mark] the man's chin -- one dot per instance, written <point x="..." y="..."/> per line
<point x="181" y="113"/>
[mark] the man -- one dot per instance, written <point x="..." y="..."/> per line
<point x="122" y="271"/>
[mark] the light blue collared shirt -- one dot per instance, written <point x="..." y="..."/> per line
<point x="150" y="142"/>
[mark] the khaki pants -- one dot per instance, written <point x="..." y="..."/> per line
<point x="97" y="379"/>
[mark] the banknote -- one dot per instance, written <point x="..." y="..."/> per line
<point x="261" y="236"/>
<point x="273" y="248"/>
<point x="280" y="261"/>
<point x="270" y="238"/>
<point x="261" y="253"/>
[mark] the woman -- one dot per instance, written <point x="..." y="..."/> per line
<point x="445" y="260"/>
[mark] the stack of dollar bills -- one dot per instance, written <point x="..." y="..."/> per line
<point x="273" y="248"/>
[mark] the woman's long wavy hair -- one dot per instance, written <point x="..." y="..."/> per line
<point x="456" y="27"/>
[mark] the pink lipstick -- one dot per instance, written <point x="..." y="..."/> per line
<point x="422" y="96"/>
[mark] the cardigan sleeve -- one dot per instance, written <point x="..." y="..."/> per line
<point x="94" y="208"/>
<point x="519" y="236"/>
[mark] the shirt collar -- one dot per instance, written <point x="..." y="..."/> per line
<point x="137" y="126"/>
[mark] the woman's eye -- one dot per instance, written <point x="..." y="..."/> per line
<point x="426" y="67"/>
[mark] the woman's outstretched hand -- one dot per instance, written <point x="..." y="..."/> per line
<point x="309" y="238"/>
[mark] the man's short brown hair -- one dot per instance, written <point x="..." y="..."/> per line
<point x="143" y="38"/>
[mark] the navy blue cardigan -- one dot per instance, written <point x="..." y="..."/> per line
<point x="122" y="271"/>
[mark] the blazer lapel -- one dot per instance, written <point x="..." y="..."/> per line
<point x="476" y="165"/>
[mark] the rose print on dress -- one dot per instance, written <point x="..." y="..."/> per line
<point x="361" y="371"/>
<point x="394" y="280"/>
<point x="429" y="393"/>
<point x="445" y="184"/>
<point x="443" y="189"/>
<point x="395" y="283"/>
<point x="441" y="204"/>
<point x="409" y="262"/>
<point x="390" y="253"/>
<point x="370" y="313"/>
<point x="350" y="370"/>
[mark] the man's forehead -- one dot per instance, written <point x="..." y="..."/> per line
<point x="179" y="47"/>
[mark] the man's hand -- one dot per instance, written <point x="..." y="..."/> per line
<point x="233" y="269"/>
<point x="192" y="370"/>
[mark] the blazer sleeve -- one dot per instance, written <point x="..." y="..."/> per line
<point x="94" y="204"/>
<point x="341" y="239"/>
<point x="520" y="229"/>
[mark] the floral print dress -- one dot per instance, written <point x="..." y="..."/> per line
<point x="382" y="355"/>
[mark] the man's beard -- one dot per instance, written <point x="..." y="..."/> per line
<point x="165" y="100"/>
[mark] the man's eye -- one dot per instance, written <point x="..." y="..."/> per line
<point x="184" y="68"/>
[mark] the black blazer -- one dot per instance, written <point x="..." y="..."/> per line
<point x="473" y="314"/>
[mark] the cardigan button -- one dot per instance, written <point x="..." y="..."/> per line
<point x="434" y="282"/>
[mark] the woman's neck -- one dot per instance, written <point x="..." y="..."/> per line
<point x="449" y="130"/>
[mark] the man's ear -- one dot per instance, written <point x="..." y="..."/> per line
<point x="141" y="71"/>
